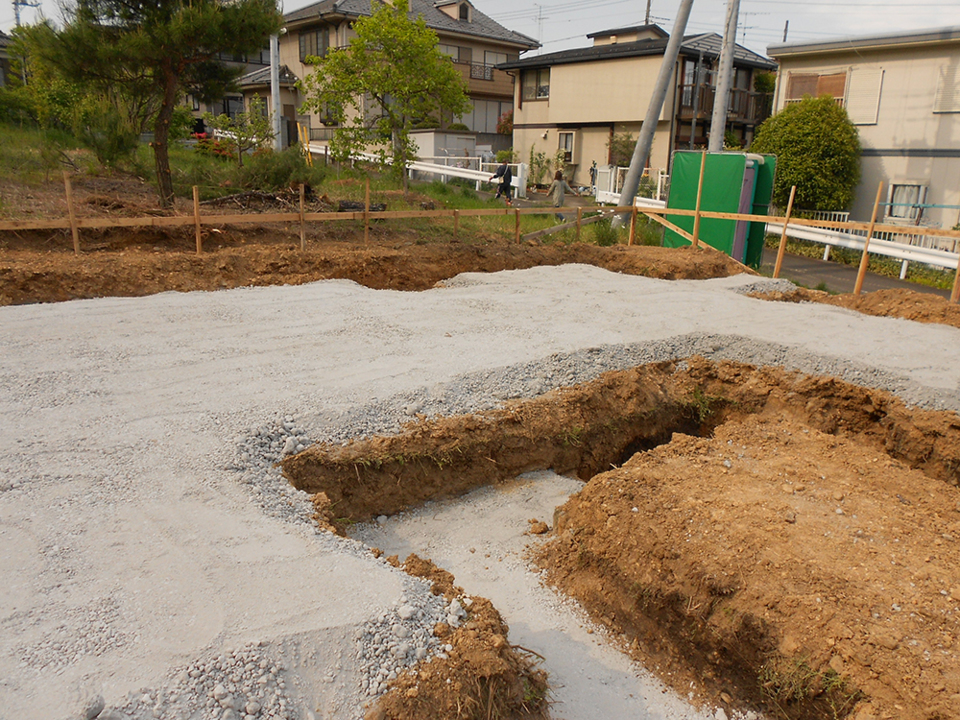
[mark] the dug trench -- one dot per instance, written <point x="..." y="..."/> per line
<point x="788" y="542"/>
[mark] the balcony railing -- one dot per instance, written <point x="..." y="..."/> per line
<point x="745" y="106"/>
<point x="320" y="134"/>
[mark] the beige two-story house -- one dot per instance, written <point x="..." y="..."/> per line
<point x="474" y="42"/>
<point x="5" y="42"/>
<point x="574" y="101"/>
<point x="902" y="91"/>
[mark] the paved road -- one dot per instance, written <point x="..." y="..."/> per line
<point x="810" y="272"/>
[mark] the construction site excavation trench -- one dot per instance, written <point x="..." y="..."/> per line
<point x="562" y="491"/>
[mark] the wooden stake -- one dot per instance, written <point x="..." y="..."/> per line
<point x="74" y="230"/>
<point x="633" y="226"/>
<point x="955" y="293"/>
<point x="579" y="221"/>
<point x="303" y="235"/>
<point x="366" y="214"/>
<point x="783" y="236"/>
<point x="196" y="218"/>
<point x="864" y="260"/>
<point x="456" y="225"/>
<point x="696" y="217"/>
<point x="517" y="211"/>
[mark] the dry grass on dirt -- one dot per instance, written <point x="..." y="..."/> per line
<point x="780" y="541"/>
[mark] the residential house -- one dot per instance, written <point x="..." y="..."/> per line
<point x="574" y="101"/>
<point x="5" y="42"/>
<point x="232" y="101"/>
<point x="902" y="91"/>
<point x="475" y="43"/>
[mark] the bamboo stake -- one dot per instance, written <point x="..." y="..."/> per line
<point x="456" y="225"/>
<point x="196" y="218"/>
<point x="74" y="230"/>
<point x="366" y="214"/>
<point x="696" y="217"/>
<point x="633" y="226"/>
<point x="579" y="221"/>
<point x="517" y="211"/>
<point x="864" y="260"/>
<point x="783" y="236"/>
<point x="303" y="235"/>
<point x="955" y="293"/>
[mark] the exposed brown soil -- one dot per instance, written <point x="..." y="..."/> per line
<point x="906" y="304"/>
<point x="482" y="677"/>
<point x="791" y="545"/>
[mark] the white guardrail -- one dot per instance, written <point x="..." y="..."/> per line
<point x="519" y="182"/>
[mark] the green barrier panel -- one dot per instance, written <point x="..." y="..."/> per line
<point x="723" y="191"/>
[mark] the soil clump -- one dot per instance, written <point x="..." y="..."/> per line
<point x="782" y="541"/>
<point x="479" y="676"/>
<point x="906" y="304"/>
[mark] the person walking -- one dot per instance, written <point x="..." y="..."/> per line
<point x="506" y="178"/>
<point x="557" y="192"/>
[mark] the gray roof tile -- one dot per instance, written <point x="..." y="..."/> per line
<point x="262" y="77"/>
<point x="482" y="26"/>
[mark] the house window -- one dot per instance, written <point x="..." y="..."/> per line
<point x="800" y="85"/>
<point x="193" y="101"/>
<point x="566" y="146"/>
<point x="903" y="201"/>
<point x="947" y="99"/>
<point x="863" y="95"/>
<point x="536" y="84"/>
<point x="494" y="58"/>
<point x="313" y="43"/>
<point x="464" y="12"/>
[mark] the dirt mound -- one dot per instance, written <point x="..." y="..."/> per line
<point x="906" y="304"/>
<point x="155" y="261"/>
<point x="482" y="675"/>
<point x="779" y="540"/>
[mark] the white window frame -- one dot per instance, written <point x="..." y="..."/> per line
<point x="902" y="213"/>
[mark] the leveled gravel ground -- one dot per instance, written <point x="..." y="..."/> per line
<point x="153" y="556"/>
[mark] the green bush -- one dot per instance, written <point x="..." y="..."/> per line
<point x="817" y="149"/>
<point x="269" y="170"/>
<point x="604" y="234"/>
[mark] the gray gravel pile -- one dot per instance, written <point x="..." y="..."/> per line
<point x="403" y="636"/>
<point x="247" y="684"/>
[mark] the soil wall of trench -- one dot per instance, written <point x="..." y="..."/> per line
<point x="790" y="541"/>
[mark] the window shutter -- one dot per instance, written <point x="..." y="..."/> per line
<point x="948" y="91"/>
<point x="834" y="85"/>
<point x="863" y="100"/>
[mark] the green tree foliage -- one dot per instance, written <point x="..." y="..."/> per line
<point x="248" y="130"/>
<point x="151" y="52"/>
<point x="391" y="76"/>
<point x="817" y="149"/>
<point x="621" y="147"/>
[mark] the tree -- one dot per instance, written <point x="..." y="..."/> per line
<point x="391" y="76"/>
<point x="621" y="147"/>
<point x="152" y="52"/>
<point x="817" y="149"/>
<point x="248" y="130"/>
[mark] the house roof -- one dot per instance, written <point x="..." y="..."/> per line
<point x="864" y="42"/>
<point x="627" y="30"/>
<point x="262" y="77"/>
<point x="709" y="43"/>
<point x="5" y="40"/>
<point x="480" y="26"/>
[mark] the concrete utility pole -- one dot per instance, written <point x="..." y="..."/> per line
<point x="718" y="122"/>
<point x="275" y="89"/>
<point x="646" y="18"/>
<point x="642" y="150"/>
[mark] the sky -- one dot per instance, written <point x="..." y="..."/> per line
<point x="564" y="24"/>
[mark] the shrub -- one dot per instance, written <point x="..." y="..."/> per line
<point x="505" y="155"/>
<point x="458" y="127"/>
<point x="817" y="149"/>
<point x="505" y="123"/>
<point x="621" y="147"/>
<point x="269" y="170"/>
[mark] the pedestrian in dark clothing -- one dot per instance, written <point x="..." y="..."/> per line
<point x="506" y="178"/>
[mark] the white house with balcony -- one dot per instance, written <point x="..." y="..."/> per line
<point x="902" y="91"/>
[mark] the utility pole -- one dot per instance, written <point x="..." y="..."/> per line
<point x="786" y="26"/>
<point x="646" y="18"/>
<point x="632" y="181"/>
<point x="697" y="80"/>
<point x="718" y="122"/>
<point x="17" y="4"/>
<point x="275" y="90"/>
